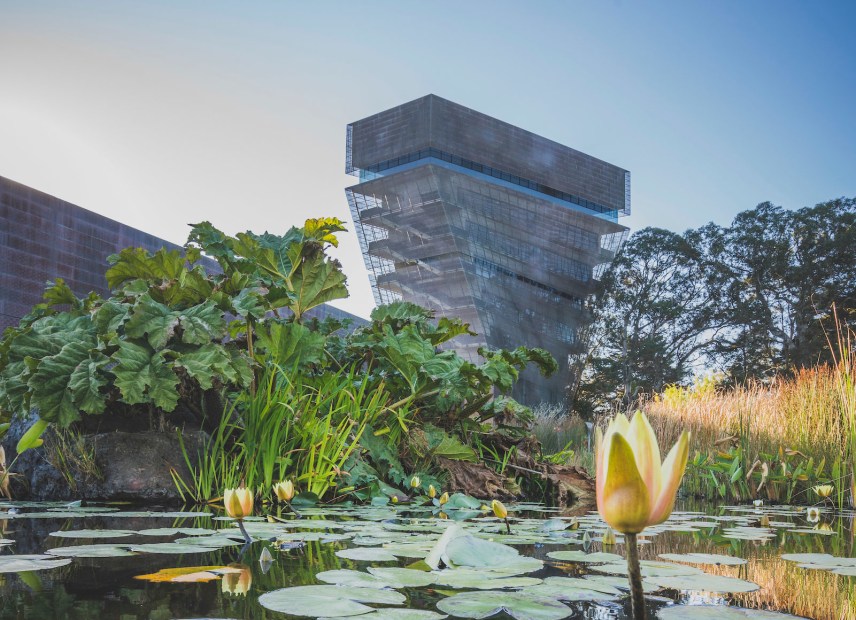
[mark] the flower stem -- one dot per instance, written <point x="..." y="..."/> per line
<point x="244" y="532"/>
<point x="637" y="598"/>
<point x="507" y="526"/>
<point x="291" y="508"/>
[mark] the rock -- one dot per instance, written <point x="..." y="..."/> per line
<point x="132" y="466"/>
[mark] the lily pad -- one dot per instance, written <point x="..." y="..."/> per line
<point x="172" y="531"/>
<point x="394" y="613"/>
<point x="26" y="563"/>
<point x="196" y="574"/>
<point x="581" y="556"/>
<point x="473" y="579"/>
<point x="90" y="551"/>
<point x="367" y="554"/>
<point x="518" y="605"/>
<point x="704" y="558"/>
<point x="357" y="579"/>
<point x="407" y="577"/>
<point x="650" y="569"/>
<point x="93" y="533"/>
<point x="477" y="553"/>
<point x="573" y="589"/>
<point x="720" y="612"/>
<point x="705" y="583"/>
<point x="172" y="548"/>
<point x="327" y="601"/>
<point x="622" y="583"/>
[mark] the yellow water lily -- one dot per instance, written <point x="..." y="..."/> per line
<point x="415" y="482"/>
<point x="634" y="489"/>
<point x="432" y="492"/>
<point x="443" y="498"/>
<point x="823" y="490"/>
<point x="498" y="509"/>
<point x="284" y="490"/>
<point x="238" y="502"/>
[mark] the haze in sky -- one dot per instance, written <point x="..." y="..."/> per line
<point x="159" y="114"/>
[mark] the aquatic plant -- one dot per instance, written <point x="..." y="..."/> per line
<point x="634" y="489"/>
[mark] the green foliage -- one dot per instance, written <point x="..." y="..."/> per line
<point x="304" y="397"/>
<point x="163" y="333"/>
<point x="290" y="427"/>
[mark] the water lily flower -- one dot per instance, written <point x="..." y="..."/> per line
<point x="758" y="503"/>
<point x="443" y="498"/>
<point x="823" y="490"/>
<point x="499" y="509"/>
<point x="608" y="537"/>
<point x="813" y="515"/>
<point x="239" y="502"/>
<point x="284" y="490"/>
<point x="634" y="490"/>
<point x="238" y="580"/>
<point x="432" y="492"/>
<point x="415" y="482"/>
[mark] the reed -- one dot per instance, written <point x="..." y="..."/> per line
<point x="809" y="417"/>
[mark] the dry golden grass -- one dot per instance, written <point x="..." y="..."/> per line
<point x="805" y="413"/>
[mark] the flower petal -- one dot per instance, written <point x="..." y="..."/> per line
<point x="625" y="503"/>
<point x="673" y="473"/>
<point x="644" y="443"/>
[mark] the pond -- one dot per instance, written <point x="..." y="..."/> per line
<point x="67" y="561"/>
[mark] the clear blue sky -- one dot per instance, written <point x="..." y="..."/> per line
<point x="163" y="113"/>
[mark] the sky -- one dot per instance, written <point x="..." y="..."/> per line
<point x="164" y="113"/>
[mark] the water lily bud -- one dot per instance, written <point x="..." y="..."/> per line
<point x="284" y="490"/>
<point x="823" y="490"/>
<point x="415" y="482"/>
<point x="498" y="509"/>
<point x="238" y="581"/>
<point x="443" y="498"/>
<point x="608" y="537"/>
<point x="238" y="502"/>
<point x="394" y="499"/>
<point x="442" y="515"/>
<point x="575" y="524"/>
<point x="633" y="488"/>
<point x="432" y="492"/>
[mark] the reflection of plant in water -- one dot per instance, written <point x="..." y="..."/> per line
<point x="784" y="585"/>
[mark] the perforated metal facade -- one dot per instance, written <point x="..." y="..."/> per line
<point x="481" y="220"/>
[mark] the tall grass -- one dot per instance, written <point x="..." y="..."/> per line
<point x="808" y="420"/>
<point x="560" y="433"/>
<point x="291" y="426"/>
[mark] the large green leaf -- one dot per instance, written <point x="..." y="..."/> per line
<point x="138" y="263"/>
<point x="87" y="381"/>
<point x="152" y="320"/>
<point x="202" y="323"/>
<point x="50" y="386"/>
<point x="317" y="281"/>
<point x="290" y="344"/>
<point x="144" y="375"/>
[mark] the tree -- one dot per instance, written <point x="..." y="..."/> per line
<point x="652" y="316"/>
